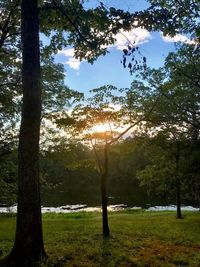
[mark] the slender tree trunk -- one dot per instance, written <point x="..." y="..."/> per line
<point x="104" y="176"/>
<point x="104" y="202"/>
<point x="178" y="185"/>
<point x="178" y="199"/>
<point x="28" y="247"/>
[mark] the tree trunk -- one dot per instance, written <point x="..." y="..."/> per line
<point x="104" y="176"/>
<point x="28" y="247"/>
<point x="104" y="202"/>
<point x="178" y="200"/>
<point x="178" y="184"/>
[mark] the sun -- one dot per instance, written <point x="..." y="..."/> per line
<point x="107" y="128"/>
<point x="100" y="128"/>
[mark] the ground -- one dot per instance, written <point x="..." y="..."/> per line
<point x="138" y="238"/>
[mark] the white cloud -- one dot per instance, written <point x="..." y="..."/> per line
<point x="178" y="38"/>
<point x="69" y="52"/>
<point x="135" y="37"/>
<point x="73" y="63"/>
<point x="71" y="60"/>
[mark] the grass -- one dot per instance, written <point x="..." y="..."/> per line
<point x="139" y="239"/>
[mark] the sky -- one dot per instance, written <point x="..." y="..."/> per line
<point x="82" y="76"/>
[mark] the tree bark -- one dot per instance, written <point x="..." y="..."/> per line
<point x="106" y="231"/>
<point x="178" y="185"/>
<point x="28" y="247"/>
<point x="178" y="200"/>
<point x="104" y="176"/>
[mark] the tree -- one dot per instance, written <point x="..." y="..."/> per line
<point x="28" y="246"/>
<point x="184" y="73"/>
<point x="114" y="109"/>
<point x="88" y="30"/>
<point x="165" y="173"/>
<point x="177" y="113"/>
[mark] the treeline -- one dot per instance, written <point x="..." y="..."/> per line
<point x="141" y="171"/>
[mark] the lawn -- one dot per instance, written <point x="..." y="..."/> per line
<point x="138" y="238"/>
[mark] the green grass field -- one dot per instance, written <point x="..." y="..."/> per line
<point x="138" y="238"/>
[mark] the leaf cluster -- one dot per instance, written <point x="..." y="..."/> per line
<point x="88" y="30"/>
<point x="172" y="17"/>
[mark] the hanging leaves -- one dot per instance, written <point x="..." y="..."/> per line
<point x="133" y="58"/>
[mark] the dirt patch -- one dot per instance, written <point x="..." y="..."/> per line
<point x="159" y="253"/>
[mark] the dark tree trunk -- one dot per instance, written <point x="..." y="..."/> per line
<point x="178" y="185"/>
<point x="28" y="247"/>
<point x="178" y="200"/>
<point x="104" y="176"/>
<point x="104" y="201"/>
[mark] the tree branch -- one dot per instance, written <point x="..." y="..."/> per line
<point x="136" y="123"/>
<point x="96" y="154"/>
<point x="62" y="11"/>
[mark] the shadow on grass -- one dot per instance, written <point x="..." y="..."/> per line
<point x="106" y="255"/>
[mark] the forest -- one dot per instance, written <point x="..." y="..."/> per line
<point x="138" y="146"/>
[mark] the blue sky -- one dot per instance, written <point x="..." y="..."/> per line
<point x="83" y="76"/>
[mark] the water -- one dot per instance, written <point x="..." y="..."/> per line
<point x="91" y="196"/>
<point x="84" y="207"/>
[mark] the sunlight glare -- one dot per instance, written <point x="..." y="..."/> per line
<point x="100" y="128"/>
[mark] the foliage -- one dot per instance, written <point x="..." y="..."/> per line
<point x="9" y="64"/>
<point x="172" y="17"/>
<point x="88" y="30"/>
<point x="8" y="175"/>
<point x="56" y="96"/>
<point x="161" y="173"/>
<point x="174" y="121"/>
<point x="118" y="109"/>
<point x="68" y="174"/>
<point x="176" y="87"/>
<point x="183" y="86"/>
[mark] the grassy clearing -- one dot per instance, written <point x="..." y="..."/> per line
<point x="139" y="239"/>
